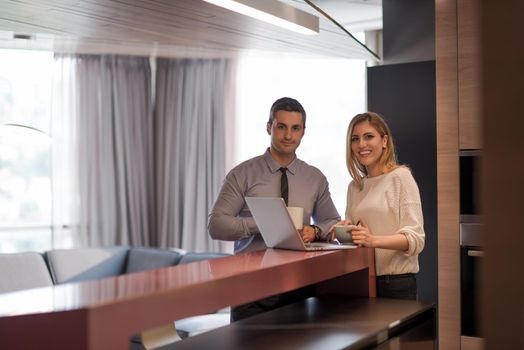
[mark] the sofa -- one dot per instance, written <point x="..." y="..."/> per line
<point x="20" y="271"/>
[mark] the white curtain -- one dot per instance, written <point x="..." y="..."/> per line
<point x="193" y="114"/>
<point x="64" y="148"/>
<point x="121" y="176"/>
<point x="106" y="156"/>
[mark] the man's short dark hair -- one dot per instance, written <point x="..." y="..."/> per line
<point x="287" y="104"/>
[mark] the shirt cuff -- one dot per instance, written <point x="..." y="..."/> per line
<point x="318" y="233"/>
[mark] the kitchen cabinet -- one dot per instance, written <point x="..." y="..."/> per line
<point x="469" y="74"/>
<point x="459" y="127"/>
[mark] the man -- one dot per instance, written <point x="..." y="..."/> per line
<point x="261" y="176"/>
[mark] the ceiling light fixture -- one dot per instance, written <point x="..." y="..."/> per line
<point x="274" y="12"/>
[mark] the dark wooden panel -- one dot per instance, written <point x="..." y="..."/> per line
<point x="503" y="169"/>
<point x="448" y="175"/>
<point x="469" y="75"/>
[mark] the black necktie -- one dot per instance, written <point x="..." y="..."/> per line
<point x="283" y="184"/>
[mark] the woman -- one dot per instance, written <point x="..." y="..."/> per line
<point x="384" y="200"/>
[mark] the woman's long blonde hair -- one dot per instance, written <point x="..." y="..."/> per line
<point x="388" y="160"/>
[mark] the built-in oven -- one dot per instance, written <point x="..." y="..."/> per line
<point x="471" y="256"/>
<point x="471" y="252"/>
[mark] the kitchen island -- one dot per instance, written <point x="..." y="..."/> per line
<point x="105" y="313"/>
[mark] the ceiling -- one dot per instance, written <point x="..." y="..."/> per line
<point x="178" y="28"/>
<point x="354" y="15"/>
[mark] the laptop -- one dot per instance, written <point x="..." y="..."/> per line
<point x="277" y="229"/>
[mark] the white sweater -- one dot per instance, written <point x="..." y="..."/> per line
<point x="389" y="204"/>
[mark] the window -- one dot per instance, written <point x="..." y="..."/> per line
<point x="25" y="169"/>
<point x="332" y="91"/>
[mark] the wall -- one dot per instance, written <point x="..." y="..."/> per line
<point x="409" y="31"/>
<point x="405" y="95"/>
<point x="403" y="90"/>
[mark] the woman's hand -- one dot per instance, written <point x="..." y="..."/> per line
<point x="362" y="236"/>
<point x="331" y="232"/>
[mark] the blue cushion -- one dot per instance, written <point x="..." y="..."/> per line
<point x="22" y="271"/>
<point x="143" y="259"/>
<point x="82" y="264"/>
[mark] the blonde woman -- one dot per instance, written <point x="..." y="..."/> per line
<point x="383" y="206"/>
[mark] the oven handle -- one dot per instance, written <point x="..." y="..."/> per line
<point x="476" y="253"/>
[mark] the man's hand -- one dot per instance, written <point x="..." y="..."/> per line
<point x="307" y="234"/>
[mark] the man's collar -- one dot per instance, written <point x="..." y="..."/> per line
<point x="274" y="166"/>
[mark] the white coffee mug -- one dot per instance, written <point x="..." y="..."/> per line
<point x="297" y="215"/>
